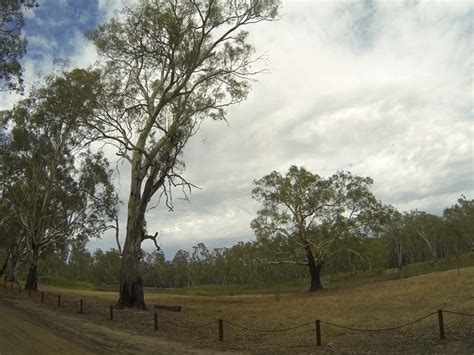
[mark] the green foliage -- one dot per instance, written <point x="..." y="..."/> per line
<point x="105" y="267"/>
<point x="166" y="67"/>
<point x="66" y="283"/>
<point x="12" y="43"/>
<point x="459" y="221"/>
<point x="307" y="219"/>
<point x="57" y="189"/>
<point x="417" y="236"/>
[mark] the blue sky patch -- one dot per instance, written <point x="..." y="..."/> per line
<point x="55" y="24"/>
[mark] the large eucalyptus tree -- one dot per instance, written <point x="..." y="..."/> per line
<point x="307" y="217"/>
<point x="166" y="66"/>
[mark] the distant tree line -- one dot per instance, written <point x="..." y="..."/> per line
<point x="411" y="237"/>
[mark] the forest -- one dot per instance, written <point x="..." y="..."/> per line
<point x="413" y="237"/>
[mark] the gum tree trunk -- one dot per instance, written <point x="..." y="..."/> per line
<point x="131" y="284"/>
<point x="12" y="267"/>
<point x="314" y="269"/>
<point x="32" y="280"/>
<point x="4" y="267"/>
<point x="315" y="273"/>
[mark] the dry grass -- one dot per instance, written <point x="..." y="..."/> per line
<point x="378" y="305"/>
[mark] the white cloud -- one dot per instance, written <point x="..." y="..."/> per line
<point x="383" y="89"/>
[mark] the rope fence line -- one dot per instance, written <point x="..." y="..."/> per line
<point x="173" y="320"/>
<point x="269" y="330"/>
<point x="379" y="329"/>
<point x="182" y="325"/>
<point x="460" y="313"/>
<point x="50" y="298"/>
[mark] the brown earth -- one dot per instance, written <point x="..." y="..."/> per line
<point x="248" y="317"/>
<point x="19" y="335"/>
<point x="26" y="328"/>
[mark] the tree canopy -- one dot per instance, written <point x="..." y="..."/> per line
<point x="310" y="215"/>
<point x="167" y="66"/>
<point x="12" y="43"/>
<point x="58" y="189"/>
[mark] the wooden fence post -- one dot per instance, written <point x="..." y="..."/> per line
<point x="81" y="304"/>
<point x="221" y="329"/>
<point x="59" y="300"/>
<point x="42" y="296"/>
<point x="441" y="324"/>
<point x="318" y="332"/>
<point x="155" y="318"/>
<point x="111" y="312"/>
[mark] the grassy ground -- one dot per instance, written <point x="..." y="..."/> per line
<point x="375" y="305"/>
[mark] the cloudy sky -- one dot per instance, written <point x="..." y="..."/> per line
<point x="383" y="89"/>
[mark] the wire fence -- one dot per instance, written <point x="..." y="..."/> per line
<point x="60" y="302"/>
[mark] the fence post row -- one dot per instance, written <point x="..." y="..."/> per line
<point x="441" y="324"/>
<point x="221" y="321"/>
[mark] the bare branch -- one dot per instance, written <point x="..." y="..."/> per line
<point x="152" y="237"/>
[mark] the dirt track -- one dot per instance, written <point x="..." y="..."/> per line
<point x="28" y="329"/>
<point x="371" y="306"/>
<point x="18" y="335"/>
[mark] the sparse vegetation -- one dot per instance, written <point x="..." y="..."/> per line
<point x="371" y="305"/>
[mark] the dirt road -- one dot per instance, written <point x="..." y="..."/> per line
<point x="19" y="335"/>
<point x="26" y="328"/>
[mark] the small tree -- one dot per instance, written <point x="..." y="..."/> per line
<point x="167" y="65"/>
<point x="310" y="217"/>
